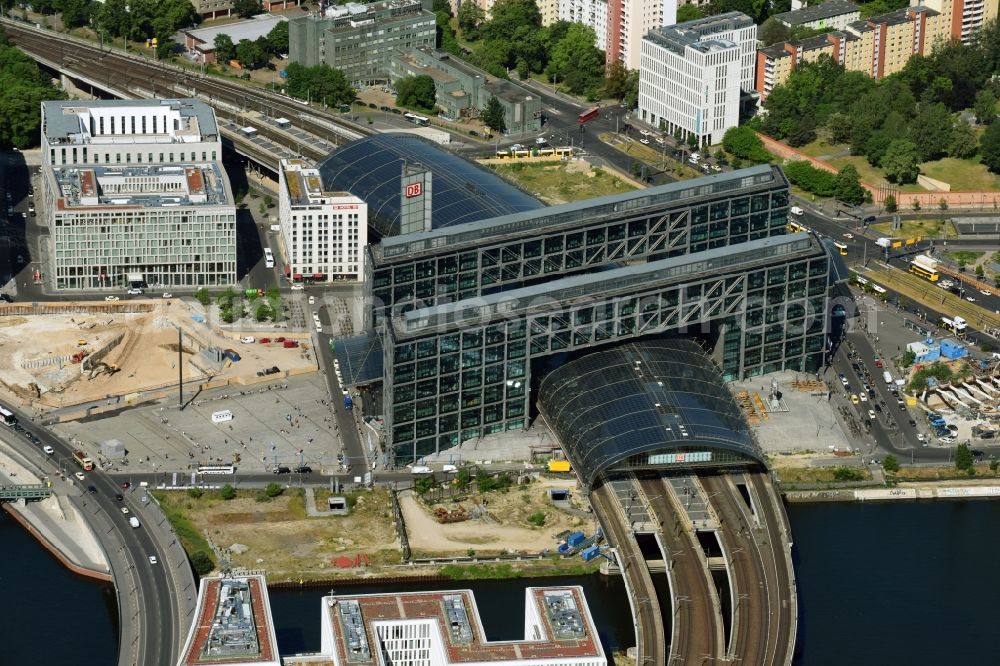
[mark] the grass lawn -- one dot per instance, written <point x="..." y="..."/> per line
<point x="911" y="228"/>
<point x="821" y="147"/>
<point x="562" y="182"/>
<point x="962" y="175"/>
<point x="868" y="173"/>
<point x="967" y="256"/>
<point x="792" y="475"/>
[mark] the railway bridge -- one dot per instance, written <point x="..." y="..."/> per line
<point x="679" y="485"/>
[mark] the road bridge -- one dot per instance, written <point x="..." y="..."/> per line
<point x="314" y="133"/>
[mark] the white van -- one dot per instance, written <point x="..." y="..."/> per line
<point x="134" y="522"/>
<point x="887" y="376"/>
<point x="795" y="210"/>
<point x="223" y="416"/>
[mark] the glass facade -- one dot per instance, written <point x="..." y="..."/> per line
<point x="455" y="373"/>
<point x="669" y="221"/>
<point x="644" y="404"/>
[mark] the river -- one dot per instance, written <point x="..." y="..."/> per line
<point x="899" y="583"/>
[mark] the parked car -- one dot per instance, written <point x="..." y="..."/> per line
<point x="281" y="470"/>
<point x="298" y="286"/>
<point x="111" y="298"/>
<point x="248" y="339"/>
<point x="134" y="291"/>
<point x="303" y="469"/>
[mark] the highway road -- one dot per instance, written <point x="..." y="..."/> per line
<point x="148" y="599"/>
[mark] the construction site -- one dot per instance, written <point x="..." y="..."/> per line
<point x="58" y="355"/>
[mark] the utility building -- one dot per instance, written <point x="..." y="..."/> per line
<point x="135" y="194"/>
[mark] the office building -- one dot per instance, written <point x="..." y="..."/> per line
<point x="465" y="314"/>
<point x="135" y="194"/>
<point x="211" y="9"/>
<point x="831" y="14"/>
<point x="692" y="75"/>
<point x="323" y="233"/>
<point x="463" y="90"/>
<point x="200" y="43"/>
<point x="359" y="39"/>
<point x="878" y="46"/>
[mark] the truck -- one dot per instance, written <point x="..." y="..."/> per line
<point x="884" y="243"/>
<point x="348" y="403"/>
<point x="232" y="355"/>
<point x="83" y="461"/>
<point x="559" y="466"/>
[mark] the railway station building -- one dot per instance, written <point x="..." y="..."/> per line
<point x="467" y="318"/>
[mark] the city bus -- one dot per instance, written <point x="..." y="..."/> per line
<point x="925" y="267"/>
<point x="268" y="258"/>
<point x="878" y="290"/>
<point x="417" y="120"/>
<point x="216" y="469"/>
<point x="841" y="247"/>
<point x="956" y="325"/>
<point x="589" y="114"/>
<point x="7" y="417"/>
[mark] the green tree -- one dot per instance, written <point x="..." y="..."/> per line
<point x="576" y="62"/>
<point x="227" y="492"/>
<point x="203" y="297"/>
<point x="890" y="464"/>
<point x="273" y="489"/>
<point x="980" y="271"/>
<point x="507" y="16"/>
<point x="689" y="12"/>
<point x="494" y="115"/>
<point x="463" y="478"/>
<point x="76" y="13"/>
<point x="262" y="312"/>
<point x="470" y="18"/>
<point x="848" y="474"/>
<point x="846" y="187"/>
<point x="839" y="126"/>
<point x="202" y="563"/>
<point x="908" y="358"/>
<point x="964" y="142"/>
<point x="247" y="8"/>
<point x="113" y="18"/>
<point x="320" y="83"/>
<point x="620" y="83"/>
<point x="901" y="162"/>
<point x="985" y="106"/>
<point x="423" y="484"/>
<point x="195" y="493"/>
<point x="931" y="131"/>
<point x="890" y="204"/>
<point x="277" y="39"/>
<point x="537" y="519"/>
<point x="744" y="143"/>
<point x="771" y="32"/>
<point x="994" y="465"/>
<point x="250" y="54"/>
<point x="963" y="458"/>
<point x="225" y="50"/>
<point x="416" y="92"/>
<point x="989" y="147"/>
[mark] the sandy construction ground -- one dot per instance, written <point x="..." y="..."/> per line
<point x="37" y="350"/>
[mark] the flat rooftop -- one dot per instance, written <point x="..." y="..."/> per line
<point x="233" y="624"/>
<point x="690" y="34"/>
<point x="558" y="618"/>
<point x="305" y="185"/>
<point x="824" y="10"/>
<point x="143" y="186"/>
<point x="575" y="214"/>
<point x="69" y="121"/>
<point x="258" y="26"/>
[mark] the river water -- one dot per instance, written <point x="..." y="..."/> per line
<point x="879" y="584"/>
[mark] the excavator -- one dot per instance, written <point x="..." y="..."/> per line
<point x="97" y="367"/>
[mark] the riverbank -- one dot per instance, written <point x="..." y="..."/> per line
<point x="943" y="490"/>
<point x="55" y="522"/>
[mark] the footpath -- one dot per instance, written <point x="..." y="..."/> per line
<point x="904" y="491"/>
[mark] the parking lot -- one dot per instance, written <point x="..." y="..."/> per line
<point x="286" y="423"/>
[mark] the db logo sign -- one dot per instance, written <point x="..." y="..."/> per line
<point x="414" y="190"/>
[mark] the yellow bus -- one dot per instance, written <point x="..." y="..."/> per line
<point x="841" y="247"/>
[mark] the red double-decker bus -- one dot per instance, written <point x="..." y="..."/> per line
<point x="590" y="114"/>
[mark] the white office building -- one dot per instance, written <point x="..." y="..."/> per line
<point x="323" y="233"/>
<point x="135" y="195"/>
<point x="691" y="75"/>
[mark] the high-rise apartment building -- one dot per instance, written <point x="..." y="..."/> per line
<point x="620" y="25"/>
<point x="692" y="75"/>
<point x="135" y="194"/>
<point x="965" y="17"/>
<point x="592" y="13"/>
<point x="324" y="233"/>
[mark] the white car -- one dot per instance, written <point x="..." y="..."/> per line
<point x="134" y="291"/>
<point x="984" y="292"/>
<point x="298" y="286"/>
<point x="79" y="476"/>
<point x="48" y="449"/>
<point x="644" y="141"/>
<point x="644" y="132"/>
<point x="312" y="300"/>
<point x="111" y="298"/>
<point x="248" y="339"/>
<point x="275" y="227"/>
<point x="125" y="510"/>
<point x="166" y="294"/>
<point x="970" y="299"/>
<point x="152" y="559"/>
<point x="660" y="140"/>
<point x="871" y="414"/>
<point x="863" y="397"/>
<point x="848" y="236"/>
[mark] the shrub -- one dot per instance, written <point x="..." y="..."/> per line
<point x="848" y="474"/>
<point x="202" y="563"/>
<point x="537" y="519"/>
<point x="273" y="489"/>
<point x="227" y="492"/>
<point x="817" y="181"/>
<point x="195" y="492"/>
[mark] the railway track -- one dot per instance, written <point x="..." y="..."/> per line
<point x="698" y="633"/>
<point x="232" y="101"/>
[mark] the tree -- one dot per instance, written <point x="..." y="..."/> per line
<point x="846" y="187"/>
<point x="619" y="82"/>
<point x="195" y="493"/>
<point x="470" y="18"/>
<point x="994" y="465"/>
<point x="931" y="131"/>
<point x="202" y="563"/>
<point x="319" y="83"/>
<point x="508" y="15"/>
<point x="963" y="458"/>
<point x="890" y="464"/>
<point x="203" y="297"/>
<point x="908" y="358"/>
<point x="494" y="115"/>
<point x="277" y="39"/>
<point x="225" y="50"/>
<point x="537" y="519"/>
<point x="803" y="131"/>
<point x="989" y="147"/>
<point x="76" y="13"/>
<point x="576" y="62"/>
<point x="251" y="55"/>
<point x="227" y="492"/>
<point x="985" y="106"/>
<point x="848" y="474"/>
<point x="901" y="162"/>
<point x="770" y="31"/>
<point x="247" y="8"/>
<point x="890" y="204"/>
<point x="839" y="126"/>
<point x="689" y="12"/>
<point x="416" y="92"/>
<point x="744" y="143"/>
<point x="273" y="489"/>
<point x="964" y="142"/>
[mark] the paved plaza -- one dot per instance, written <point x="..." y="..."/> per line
<point x="287" y="422"/>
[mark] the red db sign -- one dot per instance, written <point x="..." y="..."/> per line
<point x="414" y="190"/>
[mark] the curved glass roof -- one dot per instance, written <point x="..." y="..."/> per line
<point x="648" y="397"/>
<point x="371" y="168"/>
